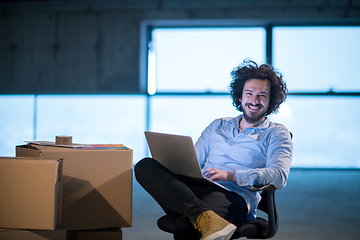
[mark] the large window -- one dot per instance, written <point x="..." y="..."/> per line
<point x="188" y="77"/>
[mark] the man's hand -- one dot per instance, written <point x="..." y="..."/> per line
<point x="219" y="175"/>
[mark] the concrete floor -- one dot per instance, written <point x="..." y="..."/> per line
<point x="316" y="204"/>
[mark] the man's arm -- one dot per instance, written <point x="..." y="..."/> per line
<point x="279" y="155"/>
<point x="276" y="171"/>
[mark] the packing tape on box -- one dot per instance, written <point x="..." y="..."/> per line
<point x="63" y="140"/>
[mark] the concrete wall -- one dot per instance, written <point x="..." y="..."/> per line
<point x="94" y="46"/>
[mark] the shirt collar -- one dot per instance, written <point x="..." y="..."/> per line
<point x="262" y="126"/>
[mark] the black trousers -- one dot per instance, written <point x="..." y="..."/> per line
<point x="183" y="199"/>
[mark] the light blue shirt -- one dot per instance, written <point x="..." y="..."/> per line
<point x="259" y="156"/>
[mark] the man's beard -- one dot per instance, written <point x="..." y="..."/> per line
<point x="253" y="119"/>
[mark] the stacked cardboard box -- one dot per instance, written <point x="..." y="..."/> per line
<point x="30" y="193"/>
<point x="60" y="234"/>
<point x="22" y="234"/>
<point x="96" y="191"/>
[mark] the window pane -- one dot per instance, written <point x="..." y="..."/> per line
<point x="16" y="122"/>
<point x="188" y="115"/>
<point x="325" y="130"/>
<point x="100" y="119"/>
<point x="201" y="59"/>
<point x="318" y="58"/>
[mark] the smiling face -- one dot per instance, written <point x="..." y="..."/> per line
<point x="255" y="100"/>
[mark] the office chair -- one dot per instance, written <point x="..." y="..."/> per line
<point x="257" y="229"/>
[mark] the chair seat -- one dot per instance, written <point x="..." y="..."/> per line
<point x="254" y="229"/>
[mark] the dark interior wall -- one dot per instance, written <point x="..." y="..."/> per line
<point x="69" y="51"/>
<point x="91" y="47"/>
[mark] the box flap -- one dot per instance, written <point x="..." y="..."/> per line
<point x="53" y="144"/>
<point x="29" y="159"/>
<point x="34" y="144"/>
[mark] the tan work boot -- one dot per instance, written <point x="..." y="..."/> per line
<point x="214" y="227"/>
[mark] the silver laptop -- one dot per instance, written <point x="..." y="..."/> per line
<point x="177" y="153"/>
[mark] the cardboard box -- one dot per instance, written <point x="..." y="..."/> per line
<point x="97" y="185"/>
<point x="61" y="234"/>
<point x="108" y="234"/>
<point x="30" y="193"/>
<point x="20" y="234"/>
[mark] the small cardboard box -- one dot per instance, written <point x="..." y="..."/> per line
<point x="97" y="184"/>
<point x="108" y="234"/>
<point x="21" y="234"/>
<point x="30" y="193"/>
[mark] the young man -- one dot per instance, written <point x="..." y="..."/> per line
<point x="237" y="152"/>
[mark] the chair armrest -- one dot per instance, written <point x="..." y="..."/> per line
<point x="267" y="188"/>
<point x="268" y="192"/>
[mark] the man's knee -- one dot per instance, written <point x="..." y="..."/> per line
<point x="143" y="167"/>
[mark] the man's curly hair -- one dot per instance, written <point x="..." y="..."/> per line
<point x="250" y="70"/>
